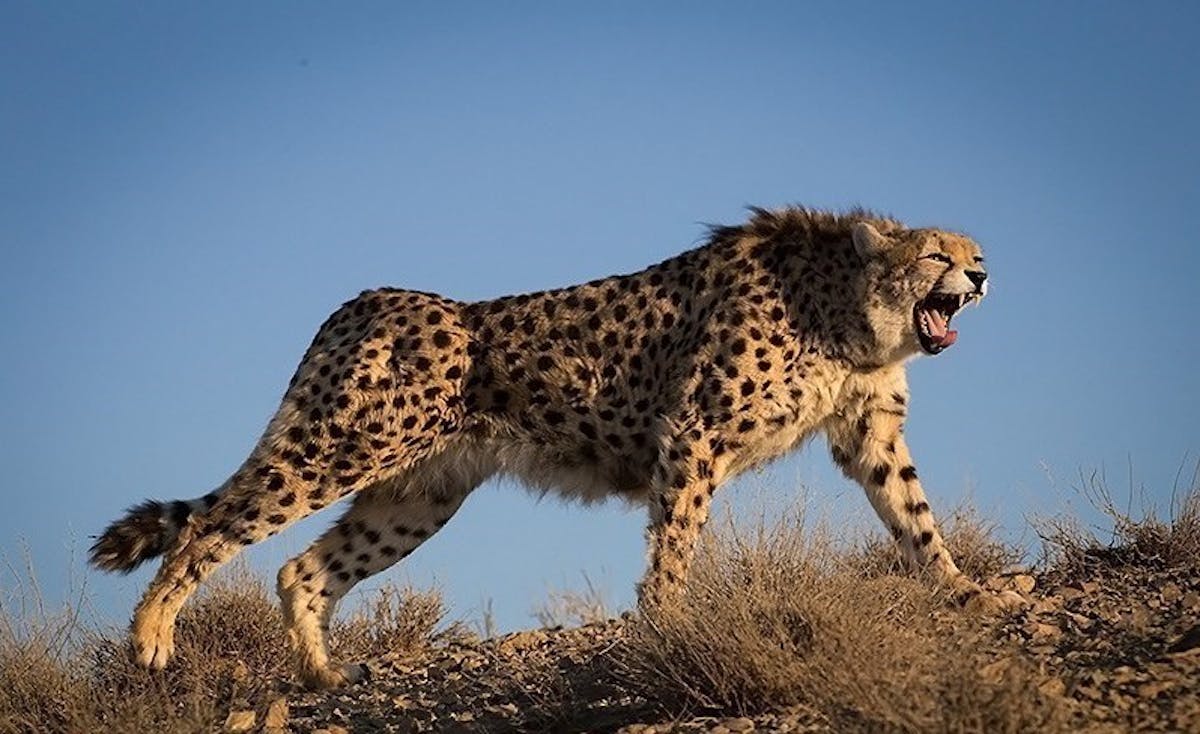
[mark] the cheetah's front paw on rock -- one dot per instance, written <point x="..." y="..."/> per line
<point x="994" y="603"/>
<point x="336" y="676"/>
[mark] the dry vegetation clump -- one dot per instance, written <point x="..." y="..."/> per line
<point x="778" y="618"/>
<point x="58" y="674"/>
<point x="395" y="621"/>
<point x="573" y="607"/>
<point x="35" y="690"/>
<point x="1144" y="541"/>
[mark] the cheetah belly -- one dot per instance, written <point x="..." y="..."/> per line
<point x="771" y="444"/>
<point x="547" y="468"/>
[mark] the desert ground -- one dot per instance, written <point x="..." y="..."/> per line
<point x="786" y="628"/>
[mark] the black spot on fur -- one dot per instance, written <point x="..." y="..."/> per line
<point x="180" y="511"/>
<point x="841" y="458"/>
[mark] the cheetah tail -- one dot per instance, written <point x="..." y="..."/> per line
<point x="146" y="531"/>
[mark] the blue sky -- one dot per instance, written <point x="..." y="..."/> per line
<point x="187" y="191"/>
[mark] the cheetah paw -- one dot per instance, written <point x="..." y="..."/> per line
<point x="336" y="676"/>
<point x="992" y="603"/>
<point x="153" y="644"/>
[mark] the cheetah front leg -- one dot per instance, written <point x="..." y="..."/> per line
<point x="869" y="447"/>
<point x="679" y="504"/>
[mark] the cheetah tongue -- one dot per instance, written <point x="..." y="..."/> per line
<point x="938" y="333"/>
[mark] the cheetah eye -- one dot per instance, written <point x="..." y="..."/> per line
<point x="939" y="257"/>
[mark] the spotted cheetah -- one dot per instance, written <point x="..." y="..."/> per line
<point x="657" y="387"/>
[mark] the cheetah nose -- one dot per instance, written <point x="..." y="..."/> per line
<point x="977" y="277"/>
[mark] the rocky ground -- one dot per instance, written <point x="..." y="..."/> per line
<point x="782" y="629"/>
<point x="1119" y="649"/>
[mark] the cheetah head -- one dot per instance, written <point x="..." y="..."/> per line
<point x="922" y="278"/>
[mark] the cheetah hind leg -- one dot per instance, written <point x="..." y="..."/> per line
<point x="199" y="550"/>
<point x="383" y="525"/>
<point x="252" y="506"/>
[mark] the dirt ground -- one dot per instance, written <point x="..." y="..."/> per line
<point x="1120" y="650"/>
<point x="781" y="630"/>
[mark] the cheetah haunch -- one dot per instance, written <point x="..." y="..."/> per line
<point x="657" y="387"/>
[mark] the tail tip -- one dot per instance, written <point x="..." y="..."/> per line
<point x="142" y="534"/>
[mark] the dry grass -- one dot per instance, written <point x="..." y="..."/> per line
<point x="402" y="621"/>
<point x="779" y="618"/>
<point x="775" y="617"/>
<point x="573" y="607"/>
<point x="1144" y="540"/>
<point x="58" y="674"/>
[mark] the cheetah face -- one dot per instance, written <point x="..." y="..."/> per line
<point x="930" y="274"/>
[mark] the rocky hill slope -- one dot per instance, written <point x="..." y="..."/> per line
<point x="783" y="630"/>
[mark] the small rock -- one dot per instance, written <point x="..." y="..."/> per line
<point x="277" y="714"/>
<point x="994" y="671"/>
<point x="1152" y="689"/>
<point x="240" y="721"/>
<point x="1191" y="600"/>
<point x="739" y="724"/>
<point x="240" y="672"/>
<point x="1042" y="631"/>
<point x="1138" y="619"/>
<point x="1070" y="593"/>
<point x="1022" y="583"/>
<point x="522" y="640"/>
<point x="332" y="729"/>
<point x="1053" y="687"/>
<point x="1171" y="592"/>
<point x="1080" y="621"/>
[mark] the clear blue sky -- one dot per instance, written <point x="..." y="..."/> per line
<point x="186" y="193"/>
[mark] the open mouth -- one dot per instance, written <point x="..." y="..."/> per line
<point x="932" y="318"/>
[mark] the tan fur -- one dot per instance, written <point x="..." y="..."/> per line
<point x="656" y="387"/>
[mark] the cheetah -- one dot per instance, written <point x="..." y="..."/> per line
<point x="657" y="387"/>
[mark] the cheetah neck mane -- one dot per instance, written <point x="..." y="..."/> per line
<point x="810" y="224"/>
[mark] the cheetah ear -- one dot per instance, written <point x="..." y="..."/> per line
<point x="869" y="241"/>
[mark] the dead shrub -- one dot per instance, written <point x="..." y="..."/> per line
<point x="36" y="691"/>
<point x="396" y="620"/>
<point x="1142" y="540"/>
<point x="60" y="675"/>
<point x="573" y="607"/>
<point x="775" y="618"/>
